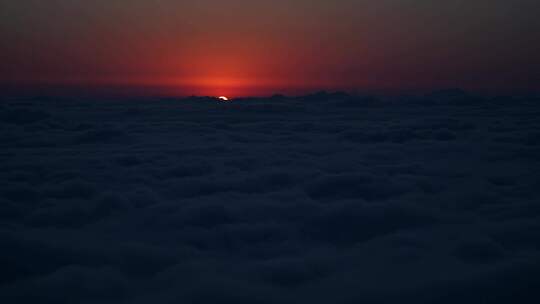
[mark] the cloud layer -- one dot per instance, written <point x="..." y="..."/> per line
<point x="326" y="198"/>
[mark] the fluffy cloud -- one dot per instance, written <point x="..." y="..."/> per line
<point x="318" y="199"/>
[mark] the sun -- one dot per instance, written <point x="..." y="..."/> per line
<point x="224" y="98"/>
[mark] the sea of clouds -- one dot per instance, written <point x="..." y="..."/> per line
<point x="326" y="198"/>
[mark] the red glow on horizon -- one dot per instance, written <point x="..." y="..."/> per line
<point x="237" y="48"/>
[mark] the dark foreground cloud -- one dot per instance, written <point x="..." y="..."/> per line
<point x="327" y="198"/>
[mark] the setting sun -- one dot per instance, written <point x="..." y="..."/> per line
<point x="223" y="98"/>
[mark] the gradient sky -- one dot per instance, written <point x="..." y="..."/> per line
<point x="243" y="47"/>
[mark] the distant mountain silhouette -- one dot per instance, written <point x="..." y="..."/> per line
<point x="325" y="96"/>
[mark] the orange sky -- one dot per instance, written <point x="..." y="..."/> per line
<point x="240" y="47"/>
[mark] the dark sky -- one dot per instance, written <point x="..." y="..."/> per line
<point x="240" y="47"/>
